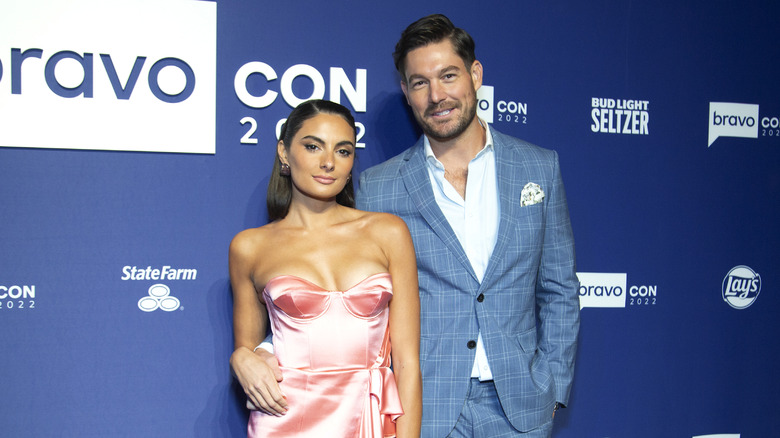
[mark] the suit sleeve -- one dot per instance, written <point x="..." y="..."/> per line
<point x="361" y="198"/>
<point x="557" y="291"/>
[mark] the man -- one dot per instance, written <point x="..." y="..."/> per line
<point x="495" y="252"/>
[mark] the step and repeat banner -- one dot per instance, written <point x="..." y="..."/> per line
<point x="137" y="138"/>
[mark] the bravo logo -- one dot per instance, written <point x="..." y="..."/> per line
<point x="142" y="80"/>
<point x="719" y="435"/>
<point x="506" y="111"/>
<point x="732" y="120"/>
<point x="741" y="287"/>
<point x="82" y="69"/>
<point x="599" y="289"/>
<point x="485" y="103"/>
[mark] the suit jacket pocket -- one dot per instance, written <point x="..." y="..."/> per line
<point x="535" y="361"/>
<point x="527" y="341"/>
<point x="530" y="213"/>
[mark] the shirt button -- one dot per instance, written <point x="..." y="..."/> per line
<point x="481" y="298"/>
<point x="471" y="344"/>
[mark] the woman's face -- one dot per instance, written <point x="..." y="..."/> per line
<point x="320" y="156"/>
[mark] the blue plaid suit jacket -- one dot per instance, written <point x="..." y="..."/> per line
<point x="529" y="314"/>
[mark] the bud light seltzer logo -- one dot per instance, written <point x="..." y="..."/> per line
<point x="741" y="287"/>
<point x="620" y="116"/>
<point x="130" y="75"/>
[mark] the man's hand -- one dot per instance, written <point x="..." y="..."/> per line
<point x="259" y="374"/>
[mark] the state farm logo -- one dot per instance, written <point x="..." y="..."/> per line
<point x="159" y="294"/>
<point x="741" y="287"/>
<point x="159" y="298"/>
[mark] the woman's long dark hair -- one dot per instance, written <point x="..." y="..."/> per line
<point x="280" y="186"/>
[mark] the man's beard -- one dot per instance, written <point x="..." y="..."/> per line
<point x="448" y="132"/>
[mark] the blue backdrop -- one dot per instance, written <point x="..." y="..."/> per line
<point x="115" y="303"/>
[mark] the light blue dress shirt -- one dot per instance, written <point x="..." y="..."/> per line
<point x="474" y="219"/>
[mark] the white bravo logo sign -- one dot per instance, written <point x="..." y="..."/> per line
<point x="110" y="75"/>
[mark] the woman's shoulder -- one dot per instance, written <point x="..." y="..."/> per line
<point x="390" y="233"/>
<point x="383" y="224"/>
<point x="248" y="241"/>
<point x="377" y="219"/>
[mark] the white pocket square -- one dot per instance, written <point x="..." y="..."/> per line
<point x="532" y="194"/>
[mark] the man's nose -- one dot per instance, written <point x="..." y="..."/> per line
<point x="437" y="93"/>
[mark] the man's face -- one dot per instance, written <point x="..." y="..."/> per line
<point x="441" y="90"/>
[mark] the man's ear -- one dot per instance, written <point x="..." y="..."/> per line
<point x="476" y="74"/>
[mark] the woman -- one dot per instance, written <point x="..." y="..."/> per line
<point x="337" y="284"/>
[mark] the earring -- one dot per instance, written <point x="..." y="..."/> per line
<point x="284" y="169"/>
<point x="349" y="177"/>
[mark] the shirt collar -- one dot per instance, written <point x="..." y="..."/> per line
<point x="432" y="160"/>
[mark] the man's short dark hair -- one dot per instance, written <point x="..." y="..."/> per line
<point x="433" y="29"/>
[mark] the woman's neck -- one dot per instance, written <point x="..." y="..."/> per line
<point x="314" y="214"/>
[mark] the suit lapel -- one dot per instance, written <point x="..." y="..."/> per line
<point x="510" y="169"/>
<point x="418" y="185"/>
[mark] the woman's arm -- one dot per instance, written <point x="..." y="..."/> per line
<point x="404" y="324"/>
<point x="257" y="372"/>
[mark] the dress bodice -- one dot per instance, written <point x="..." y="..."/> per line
<point x="302" y="299"/>
<point x="318" y="329"/>
<point x="333" y="348"/>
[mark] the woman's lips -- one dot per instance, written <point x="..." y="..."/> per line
<point x="325" y="179"/>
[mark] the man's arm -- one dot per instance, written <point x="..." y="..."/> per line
<point x="557" y="289"/>
<point x="361" y="197"/>
<point x="256" y="370"/>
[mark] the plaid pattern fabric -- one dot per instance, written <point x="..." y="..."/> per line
<point x="531" y="272"/>
<point x="483" y="416"/>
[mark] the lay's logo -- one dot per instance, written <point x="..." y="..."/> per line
<point x="741" y="287"/>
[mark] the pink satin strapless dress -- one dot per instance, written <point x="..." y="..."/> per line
<point x="334" y="351"/>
